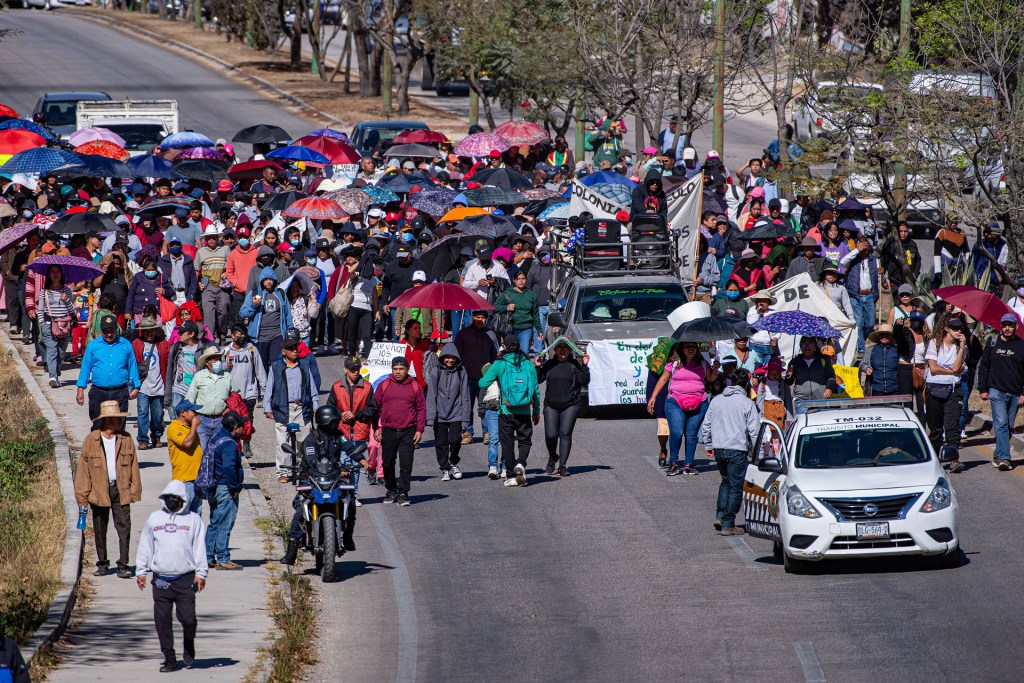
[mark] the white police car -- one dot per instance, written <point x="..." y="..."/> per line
<point x="850" y="478"/>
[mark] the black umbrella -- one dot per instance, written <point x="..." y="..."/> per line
<point x="282" y="200"/>
<point x="714" y="202"/>
<point x="488" y="225"/>
<point x="767" y="230"/>
<point x="536" y="208"/>
<point x="201" y="169"/>
<point x="712" y="329"/>
<point x="503" y="177"/>
<point x="81" y="223"/>
<point x="400" y="183"/>
<point x="262" y="133"/>
<point x="95" y="166"/>
<point x="440" y="256"/>
<point x="149" y="166"/>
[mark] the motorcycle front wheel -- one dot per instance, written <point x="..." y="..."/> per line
<point x="330" y="548"/>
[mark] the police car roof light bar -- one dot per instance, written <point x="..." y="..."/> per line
<point x="900" y="401"/>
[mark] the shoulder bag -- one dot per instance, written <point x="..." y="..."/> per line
<point x="60" y="326"/>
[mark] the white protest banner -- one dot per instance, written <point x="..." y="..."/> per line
<point x="585" y="199"/>
<point x="618" y="371"/>
<point x="684" y="207"/>
<point x="378" y="362"/>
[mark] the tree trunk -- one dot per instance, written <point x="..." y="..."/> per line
<point x="296" y="37"/>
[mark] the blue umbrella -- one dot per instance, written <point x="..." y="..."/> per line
<point x="616" y="192"/>
<point x="379" y="195"/>
<point x="488" y="225"/>
<point x="149" y="166"/>
<point x="798" y="323"/>
<point x="95" y="166"/>
<point x="555" y="211"/>
<point x="403" y="182"/>
<point x="185" y="139"/>
<point x="39" y="160"/>
<point x="435" y="201"/>
<point x="297" y="153"/>
<point x="328" y="133"/>
<point x="603" y="178"/>
<point x="31" y="126"/>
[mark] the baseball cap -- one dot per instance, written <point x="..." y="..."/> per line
<point x="353" y="363"/>
<point x="243" y="230"/>
<point x="404" y="251"/>
<point x="197" y="193"/>
<point x="1009" y="318"/>
<point x="689" y="154"/>
<point x="392" y="217"/>
<point x="185" y="404"/>
<point x="419" y="276"/>
<point x="375" y="212"/>
<point x="221" y="142"/>
<point x="322" y="244"/>
<point x="174" y="240"/>
<point x="188" y="326"/>
<point x="494" y="154"/>
<point x="291" y="338"/>
<point x="409" y="165"/>
<point x="954" y="323"/>
<point x="224" y="185"/>
<point x="285" y="248"/>
<point x="108" y="322"/>
<point x="905" y="289"/>
<point x="399" y="360"/>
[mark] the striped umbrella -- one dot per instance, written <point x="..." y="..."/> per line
<point x="350" y="200"/>
<point x="7" y="111"/>
<point x="316" y="208"/>
<point x="31" y="126"/>
<point x="80" y="137"/>
<point x="494" y="196"/>
<point x="39" y="160"/>
<point x="199" y="153"/>
<point x="16" y="140"/>
<point x="104" y="148"/>
<point x="480" y="145"/>
<point x="522" y="132"/>
<point x="379" y="195"/>
<point x="188" y="138"/>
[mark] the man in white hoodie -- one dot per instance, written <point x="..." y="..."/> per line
<point x="173" y="547"/>
<point x="730" y="429"/>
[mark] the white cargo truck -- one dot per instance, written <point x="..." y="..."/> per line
<point x="142" y="123"/>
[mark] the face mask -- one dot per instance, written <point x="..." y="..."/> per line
<point x="408" y="237"/>
<point x="1020" y="291"/>
<point x="311" y="260"/>
<point x="732" y="295"/>
<point x="243" y="242"/>
<point x="173" y="504"/>
<point x="218" y="367"/>
<point x="176" y="251"/>
<point x="294" y="243"/>
<point x="151" y="274"/>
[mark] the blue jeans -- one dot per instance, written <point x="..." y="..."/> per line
<point x="223" y="509"/>
<point x="1004" y="412"/>
<point x="538" y="344"/>
<point x="175" y="400"/>
<point x="732" y="465"/>
<point x="966" y="387"/>
<point x="54" y="350"/>
<point x="151" y="417"/>
<point x="194" y="502"/>
<point x="864" y="311"/>
<point x="208" y="426"/>
<point x="682" y="424"/>
<point x="356" y="470"/>
<point x="525" y="337"/>
<point x="490" y="426"/>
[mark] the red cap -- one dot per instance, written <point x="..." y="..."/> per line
<point x="622" y="216"/>
<point x="224" y="185"/>
<point x="495" y="154"/>
<point x="392" y="216"/>
<point x="244" y="231"/>
<point x="285" y="248"/>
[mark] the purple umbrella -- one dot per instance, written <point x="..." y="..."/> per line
<point x="75" y="269"/>
<point x="328" y="133"/>
<point x="199" y="153"/>
<point x="480" y="145"/>
<point x="797" y="323"/>
<point x="15" y="234"/>
<point x="436" y="201"/>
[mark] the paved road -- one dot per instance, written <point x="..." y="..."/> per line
<point x="614" y="572"/>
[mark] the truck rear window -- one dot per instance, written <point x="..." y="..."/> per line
<point x="602" y="304"/>
<point x="857" y="447"/>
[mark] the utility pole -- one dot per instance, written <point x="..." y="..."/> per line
<point x="474" y="101"/>
<point x="197" y="10"/>
<point x="581" y="133"/>
<point x="385" y="83"/>
<point x="899" y="189"/>
<point x="314" y="43"/>
<point x="718" y="124"/>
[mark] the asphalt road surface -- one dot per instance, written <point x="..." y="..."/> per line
<point x="612" y="574"/>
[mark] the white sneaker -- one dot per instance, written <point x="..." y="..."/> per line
<point x="446" y="475"/>
<point x="54" y="383"/>
<point x="359" y="503"/>
<point x="504" y="472"/>
<point x="492" y="472"/>
<point x="520" y="474"/>
<point x="456" y="472"/>
<point x="511" y="482"/>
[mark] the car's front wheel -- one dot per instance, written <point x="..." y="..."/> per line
<point x="793" y="565"/>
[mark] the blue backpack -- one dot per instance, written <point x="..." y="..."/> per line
<point x="518" y="382"/>
<point x="206" y="482"/>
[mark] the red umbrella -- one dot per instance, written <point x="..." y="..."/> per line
<point x="977" y="303"/>
<point x="316" y="208"/>
<point x="422" y="136"/>
<point x="442" y="296"/>
<point x="332" y="148"/>
<point x="14" y="140"/>
<point x="252" y="170"/>
<point x="7" y="111"/>
<point x="521" y="132"/>
<point x="104" y="148"/>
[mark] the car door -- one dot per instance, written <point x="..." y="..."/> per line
<point x="760" y="488"/>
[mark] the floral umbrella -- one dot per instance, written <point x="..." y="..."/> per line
<point x="15" y="234"/>
<point x="522" y="132"/>
<point x="539" y="194"/>
<point x="436" y="201"/>
<point x="379" y="195"/>
<point x="316" y="208"/>
<point x="797" y="323"/>
<point x="75" y="269"/>
<point x="80" y="137"/>
<point x="199" y="153"/>
<point x="350" y="200"/>
<point x="480" y="145"/>
<point x="104" y="148"/>
<point x="329" y="133"/>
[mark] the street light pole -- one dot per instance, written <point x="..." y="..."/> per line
<point x="718" y="125"/>
<point x="899" y="189"/>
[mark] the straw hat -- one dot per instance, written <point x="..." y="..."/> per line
<point x="208" y="353"/>
<point x="763" y="296"/>
<point x="880" y="330"/>
<point x="111" y="409"/>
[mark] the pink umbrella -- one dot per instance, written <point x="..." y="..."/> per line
<point x="977" y="303"/>
<point x="442" y="296"/>
<point x="316" y="208"/>
<point x="199" y="153"/>
<point x="95" y="134"/>
<point x="480" y="145"/>
<point x="522" y="132"/>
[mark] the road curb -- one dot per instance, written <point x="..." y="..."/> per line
<point x="59" y="612"/>
<point x="194" y="53"/>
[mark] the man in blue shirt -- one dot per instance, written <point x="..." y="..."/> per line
<point x="109" y="364"/>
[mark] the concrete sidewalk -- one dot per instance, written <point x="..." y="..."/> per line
<point x="118" y="637"/>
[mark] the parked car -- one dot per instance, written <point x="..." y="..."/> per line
<point x="60" y="109"/>
<point x="331" y="14"/>
<point x="824" y="111"/>
<point x="368" y="134"/>
<point x="926" y="212"/>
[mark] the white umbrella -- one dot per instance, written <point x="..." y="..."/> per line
<point x="80" y="137"/>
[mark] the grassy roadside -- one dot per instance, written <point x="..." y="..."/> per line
<point x="32" y="523"/>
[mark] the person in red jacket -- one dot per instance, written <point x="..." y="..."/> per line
<point x="353" y="397"/>
<point x="399" y="427"/>
<point x="151" y="353"/>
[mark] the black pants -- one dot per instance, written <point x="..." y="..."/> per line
<point x="323" y="328"/>
<point x="514" y="427"/>
<point x="397" y="444"/>
<point x="558" y="426"/>
<point x="447" y="444"/>
<point x="235" y="308"/>
<point x="177" y="594"/>
<point x="269" y="351"/>
<point x="905" y="378"/>
<point x="122" y="523"/>
<point x="944" y="418"/>
<point x="98" y="395"/>
<point x="359" y="330"/>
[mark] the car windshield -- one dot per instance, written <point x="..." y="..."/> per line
<point x="845" y="448"/>
<point x="59" y="113"/>
<point x="605" y="304"/>
<point x="138" y="136"/>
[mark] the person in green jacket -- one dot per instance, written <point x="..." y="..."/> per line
<point x="607" y="143"/>
<point x="522" y="304"/>
<point x="518" y="406"/>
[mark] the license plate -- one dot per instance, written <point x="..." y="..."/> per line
<point x="872" y="530"/>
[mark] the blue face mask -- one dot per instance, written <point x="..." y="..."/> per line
<point x="311" y="260"/>
<point x="176" y="250"/>
<point x="243" y="242"/>
<point x="294" y="243"/>
<point x="217" y="367"/>
<point x="732" y="295"/>
<point x="151" y="274"/>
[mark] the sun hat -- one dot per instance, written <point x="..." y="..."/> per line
<point x="110" y="409"/>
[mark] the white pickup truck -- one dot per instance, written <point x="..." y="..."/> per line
<point x="142" y="123"/>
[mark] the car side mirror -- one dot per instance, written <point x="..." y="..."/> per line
<point x="949" y="454"/>
<point x="560" y="304"/>
<point x="769" y="465"/>
<point x="555" y="319"/>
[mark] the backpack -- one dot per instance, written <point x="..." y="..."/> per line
<point x="205" y="483"/>
<point x="236" y="403"/>
<point x="518" y="383"/>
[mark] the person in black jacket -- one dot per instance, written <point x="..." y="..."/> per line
<point x="652" y="187"/>
<point x="562" y="403"/>
<point x="1001" y="382"/>
<point x="11" y="661"/>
